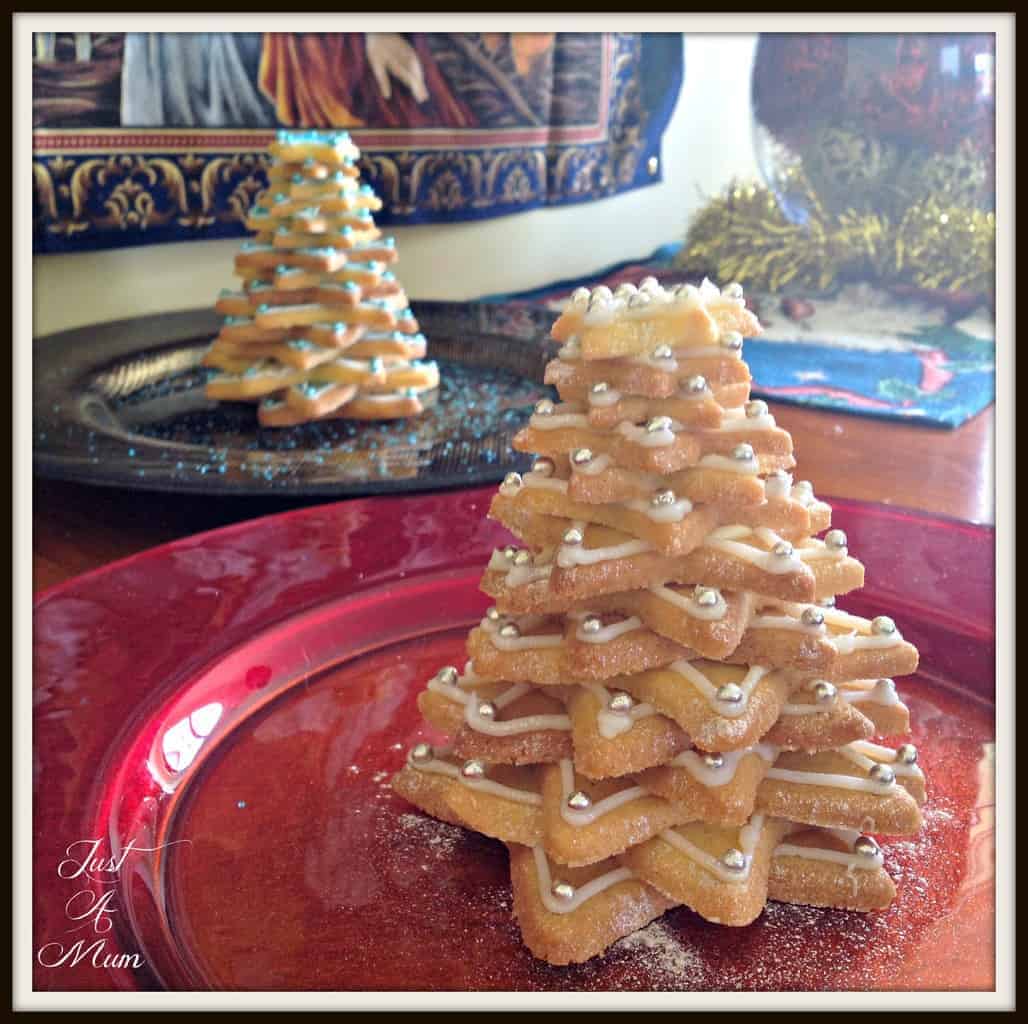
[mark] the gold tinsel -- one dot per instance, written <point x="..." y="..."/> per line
<point x="743" y="236"/>
<point x="948" y="247"/>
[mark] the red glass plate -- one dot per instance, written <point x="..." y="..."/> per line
<point x="216" y="722"/>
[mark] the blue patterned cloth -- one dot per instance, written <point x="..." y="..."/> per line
<point x="506" y="122"/>
<point x="859" y="350"/>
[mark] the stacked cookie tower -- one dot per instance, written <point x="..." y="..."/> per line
<point x="664" y="706"/>
<point x="321" y="328"/>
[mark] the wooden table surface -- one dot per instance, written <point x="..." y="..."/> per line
<point x="949" y="472"/>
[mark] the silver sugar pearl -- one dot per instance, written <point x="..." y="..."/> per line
<point x="658" y="423"/>
<point x="509" y="552"/>
<point x="544" y="407"/>
<point x="601" y="387"/>
<point x="582" y="456"/>
<point x="696" y="384"/>
<point x="734" y="860"/>
<point x="732" y="291"/>
<point x="865" y="846"/>
<point x="523" y="558"/>
<point x="883" y="625"/>
<point x="563" y="891"/>
<point x="487" y="709"/>
<point x="662" y="352"/>
<point x="714" y="760"/>
<point x="835" y="540"/>
<point x="421" y="752"/>
<point x="812" y="617"/>
<point x="650" y="283"/>
<point x="448" y="675"/>
<point x="620" y="703"/>
<point x="473" y="769"/>
<point x="730" y="693"/>
<point x="580" y="295"/>
<point x="705" y="597"/>
<point x="592" y="625"/>
<point x="906" y="754"/>
<point x="743" y="452"/>
<point x="573" y="536"/>
<point x="756" y="408"/>
<point x="603" y="293"/>
<point x="543" y="466"/>
<point x="579" y="801"/>
<point x="731" y="340"/>
<point x="783" y="549"/>
<point x="827" y="602"/>
<point x="824" y="691"/>
<point x="512" y="480"/>
<point x="663" y="498"/>
<point x="510" y="631"/>
<point x="492" y="613"/>
<point x="882" y="774"/>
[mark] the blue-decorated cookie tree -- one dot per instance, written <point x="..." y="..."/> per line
<point x="321" y="328"/>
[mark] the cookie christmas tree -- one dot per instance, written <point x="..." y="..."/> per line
<point x="321" y="329"/>
<point x="663" y="706"/>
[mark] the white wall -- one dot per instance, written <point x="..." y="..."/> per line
<point x="707" y="142"/>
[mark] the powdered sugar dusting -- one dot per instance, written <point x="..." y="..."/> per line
<point x="437" y="835"/>
<point x="932" y="936"/>
<point x="666" y="960"/>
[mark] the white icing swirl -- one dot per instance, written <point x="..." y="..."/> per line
<point x="690" y="605"/>
<point x="592" y="888"/>
<point x="713" y="776"/>
<point x="582" y="817"/>
<point x="596" y="465"/>
<point x="709" y="691"/>
<point x="749" y="836"/>
<point x="674" y="512"/>
<point x="730" y="464"/>
<point x="605" y="634"/>
<point x="438" y="767"/>
<point x="611" y="724"/>
<point x="646" y="438"/>
<point x="570" y="555"/>
<point x="519" y="643"/>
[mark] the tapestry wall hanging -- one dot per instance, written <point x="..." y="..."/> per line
<point x="158" y="137"/>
